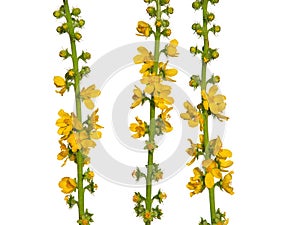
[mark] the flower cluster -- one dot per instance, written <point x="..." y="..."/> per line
<point x="214" y="167"/>
<point x="155" y="91"/>
<point x="77" y="135"/>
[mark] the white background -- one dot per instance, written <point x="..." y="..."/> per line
<point x="259" y="67"/>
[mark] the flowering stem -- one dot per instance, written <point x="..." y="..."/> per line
<point x="205" y="113"/>
<point x="152" y="116"/>
<point x="79" y="157"/>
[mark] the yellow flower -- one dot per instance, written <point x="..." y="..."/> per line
<point x="60" y="82"/>
<point x="87" y="94"/>
<point x="136" y="198"/>
<point x="226" y="183"/>
<point x="196" y="182"/>
<point x="221" y="154"/>
<point x="192" y="115"/>
<point x="64" y="152"/>
<point x="192" y="151"/>
<point x="67" y="185"/>
<point x="83" y="140"/>
<point x="146" y="69"/>
<point x="172" y="48"/>
<point x="144" y="29"/>
<point x="137" y="97"/>
<point x="94" y="119"/>
<point x="64" y="123"/>
<point x="73" y="142"/>
<point x="90" y="175"/>
<point x="76" y="123"/>
<point x="145" y="56"/>
<point x="161" y="96"/>
<point x="162" y="195"/>
<point x="212" y="171"/>
<point x="167" y="127"/>
<point x="167" y="73"/>
<point x="139" y="128"/>
<point x="215" y="102"/>
<point x="151" y="82"/>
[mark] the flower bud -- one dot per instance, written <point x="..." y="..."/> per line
<point x="196" y="5"/>
<point x="165" y="23"/>
<point x="164" y="2"/>
<point x="158" y="23"/>
<point x="194" y="50"/>
<point x="170" y="10"/>
<point x="76" y="11"/>
<point x="199" y="32"/>
<point x="196" y="26"/>
<point x="60" y="30"/>
<point x="65" y="27"/>
<point x="81" y="23"/>
<point x="214" y="1"/>
<point x="77" y="36"/>
<point x="216" y="79"/>
<point x="215" y="54"/>
<point x="64" y="53"/>
<point x="194" y="81"/>
<point x="147" y="1"/>
<point x="216" y="29"/>
<point x="86" y="55"/>
<point x="210" y="17"/>
<point x="151" y="11"/>
<point x="57" y="14"/>
<point x="166" y="32"/>
<point x="85" y="70"/>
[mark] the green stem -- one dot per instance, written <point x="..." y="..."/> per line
<point x="152" y="116"/>
<point x="205" y="113"/>
<point x="79" y="156"/>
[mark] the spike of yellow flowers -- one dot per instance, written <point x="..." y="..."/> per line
<point x="88" y="93"/>
<point x="60" y="82"/>
<point x="67" y="185"/>
<point x="139" y="128"/>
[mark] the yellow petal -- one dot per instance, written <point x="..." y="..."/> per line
<point x="185" y="116"/>
<point x="59" y="81"/>
<point x="89" y="103"/>
<point x="213" y="90"/>
<point x="193" y="123"/>
<point x="96" y="135"/>
<point x="209" y="180"/>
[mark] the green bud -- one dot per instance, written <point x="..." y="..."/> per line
<point x="195" y="81"/>
<point x="170" y="10"/>
<point x="216" y="79"/>
<point x="57" y="14"/>
<point x="62" y="8"/>
<point x="147" y="1"/>
<point x="214" y="54"/>
<point x="216" y="29"/>
<point x="65" y="27"/>
<point x="199" y="32"/>
<point x="196" y="5"/>
<point x="60" y="30"/>
<point x="151" y="11"/>
<point x="81" y="23"/>
<point x="85" y="56"/>
<point x="76" y="11"/>
<point x="165" y="23"/>
<point x="164" y="2"/>
<point x="214" y="1"/>
<point x="196" y="26"/>
<point x="77" y="36"/>
<point x="194" y="50"/>
<point x="85" y="70"/>
<point x="64" y="53"/>
<point x="166" y="32"/>
<point x="210" y="17"/>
